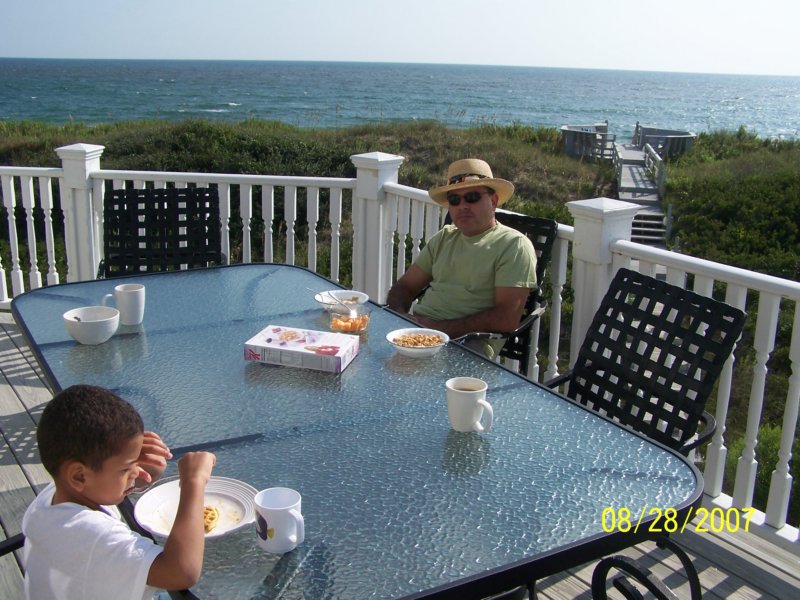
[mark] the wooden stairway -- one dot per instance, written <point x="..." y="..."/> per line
<point x="635" y="185"/>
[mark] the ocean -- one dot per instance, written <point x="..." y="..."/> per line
<point x="330" y="95"/>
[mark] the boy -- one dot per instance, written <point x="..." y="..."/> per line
<point x="94" y="445"/>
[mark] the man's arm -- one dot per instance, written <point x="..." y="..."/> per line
<point x="503" y="317"/>
<point x="407" y="288"/>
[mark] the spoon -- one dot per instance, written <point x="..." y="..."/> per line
<point x="350" y="309"/>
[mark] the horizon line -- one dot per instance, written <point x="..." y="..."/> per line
<point x="386" y="62"/>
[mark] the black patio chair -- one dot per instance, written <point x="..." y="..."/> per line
<point x="160" y="230"/>
<point x="650" y="360"/>
<point x="542" y="233"/>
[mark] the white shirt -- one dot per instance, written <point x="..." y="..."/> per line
<point x="74" y="552"/>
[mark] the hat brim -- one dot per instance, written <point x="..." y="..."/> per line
<point x="504" y="189"/>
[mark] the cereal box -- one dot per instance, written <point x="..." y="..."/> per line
<point x="295" y="347"/>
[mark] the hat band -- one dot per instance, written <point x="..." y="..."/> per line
<point x="465" y="176"/>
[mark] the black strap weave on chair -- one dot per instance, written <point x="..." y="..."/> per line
<point x="160" y="230"/>
<point x="652" y="356"/>
<point x="542" y="233"/>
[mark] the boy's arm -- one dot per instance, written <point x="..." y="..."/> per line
<point x="178" y="567"/>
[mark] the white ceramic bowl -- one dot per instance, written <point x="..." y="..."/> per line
<point x="326" y="299"/>
<point x="417" y="351"/>
<point x="92" y="324"/>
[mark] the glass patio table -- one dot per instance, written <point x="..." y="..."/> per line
<point x="396" y="503"/>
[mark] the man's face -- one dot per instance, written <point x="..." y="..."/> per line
<point x="473" y="218"/>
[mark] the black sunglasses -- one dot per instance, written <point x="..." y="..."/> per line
<point x="469" y="197"/>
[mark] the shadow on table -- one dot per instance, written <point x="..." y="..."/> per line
<point x="301" y="573"/>
<point x="465" y="454"/>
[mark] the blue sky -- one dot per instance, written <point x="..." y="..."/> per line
<point x="711" y="36"/>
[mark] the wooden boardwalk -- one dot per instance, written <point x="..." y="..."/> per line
<point x="732" y="566"/>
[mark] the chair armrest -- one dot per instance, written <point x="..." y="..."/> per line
<point x="480" y="335"/>
<point x="523" y="325"/>
<point x="709" y="426"/>
<point x="558" y="380"/>
<point x="528" y="320"/>
<point x="15" y="542"/>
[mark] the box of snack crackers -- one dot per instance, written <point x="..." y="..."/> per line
<point x="305" y="348"/>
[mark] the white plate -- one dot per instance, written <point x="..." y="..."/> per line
<point x="417" y="351"/>
<point x="326" y="299"/>
<point x="156" y="509"/>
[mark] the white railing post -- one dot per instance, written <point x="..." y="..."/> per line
<point x="598" y="223"/>
<point x="780" y="487"/>
<point x="763" y="344"/>
<point x="373" y="234"/>
<point x="80" y="227"/>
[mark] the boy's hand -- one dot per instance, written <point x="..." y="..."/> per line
<point x="152" y="459"/>
<point x="196" y="466"/>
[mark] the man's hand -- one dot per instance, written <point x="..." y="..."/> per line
<point x="503" y="317"/>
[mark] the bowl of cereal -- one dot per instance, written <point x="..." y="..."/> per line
<point x="346" y="299"/>
<point x="416" y="341"/>
<point x="356" y="321"/>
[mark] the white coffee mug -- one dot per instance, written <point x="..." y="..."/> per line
<point x="279" y="523"/>
<point x="467" y="406"/>
<point x="129" y="298"/>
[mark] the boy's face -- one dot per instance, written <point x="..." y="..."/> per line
<point x="115" y="479"/>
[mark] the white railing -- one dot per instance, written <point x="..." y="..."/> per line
<point x="654" y="166"/>
<point x="33" y="183"/>
<point x="255" y="195"/>
<point x="388" y="223"/>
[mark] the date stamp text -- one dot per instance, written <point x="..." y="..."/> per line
<point x="658" y="520"/>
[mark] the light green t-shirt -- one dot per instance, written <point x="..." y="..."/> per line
<point x="466" y="270"/>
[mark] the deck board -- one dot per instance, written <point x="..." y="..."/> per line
<point x="723" y="560"/>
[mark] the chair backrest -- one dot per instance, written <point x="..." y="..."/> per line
<point x="160" y="230"/>
<point x="652" y="355"/>
<point x="542" y="233"/>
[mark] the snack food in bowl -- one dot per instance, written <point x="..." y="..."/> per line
<point x="417" y="342"/>
<point x="348" y="297"/>
<point x="357" y="322"/>
<point x="92" y="325"/>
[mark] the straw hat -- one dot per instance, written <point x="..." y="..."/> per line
<point x="467" y="173"/>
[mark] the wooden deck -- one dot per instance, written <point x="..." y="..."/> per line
<point x="731" y="566"/>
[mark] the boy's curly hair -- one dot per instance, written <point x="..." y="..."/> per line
<point x="85" y="423"/>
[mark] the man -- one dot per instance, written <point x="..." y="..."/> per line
<point x="478" y="272"/>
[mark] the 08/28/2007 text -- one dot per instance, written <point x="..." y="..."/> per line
<point x="715" y="520"/>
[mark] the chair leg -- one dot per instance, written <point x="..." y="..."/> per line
<point x="691" y="573"/>
<point x="629" y="568"/>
